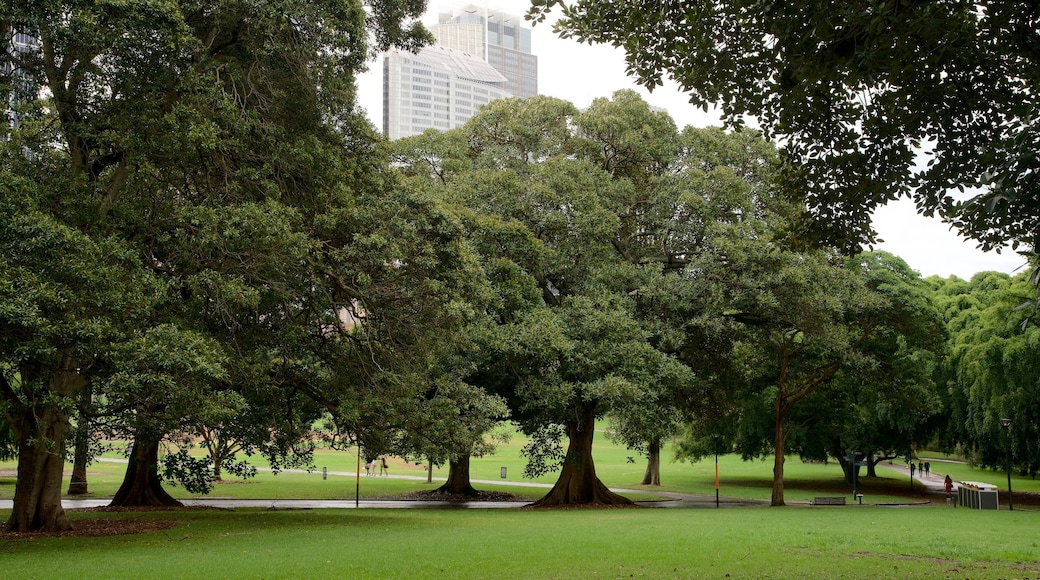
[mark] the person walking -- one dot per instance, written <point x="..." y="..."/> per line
<point x="948" y="483"/>
<point x="384" y="469"/>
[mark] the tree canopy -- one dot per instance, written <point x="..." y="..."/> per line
<point x="857" y="92"/>
<point x="193" y="205"/>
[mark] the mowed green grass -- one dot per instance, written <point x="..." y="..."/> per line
<point x="616" y="466"/>
<point x="793" y="542"/>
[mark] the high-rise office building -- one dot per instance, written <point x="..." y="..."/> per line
<point x="498" y="38"/>
<point x="480" y="55"/>
<point x="20" y="85"/>
<point x="437" y="88"/>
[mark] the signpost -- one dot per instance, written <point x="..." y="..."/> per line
<point x="856" y="460"/>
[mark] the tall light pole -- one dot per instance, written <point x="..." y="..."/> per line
<point x="1006" y="424"/>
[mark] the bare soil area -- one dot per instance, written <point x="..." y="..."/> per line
<point x="96" y="527"/>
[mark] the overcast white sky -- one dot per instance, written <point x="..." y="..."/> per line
<point x="580" y="73"/>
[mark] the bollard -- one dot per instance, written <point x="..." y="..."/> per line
<point x="503" y="473"/>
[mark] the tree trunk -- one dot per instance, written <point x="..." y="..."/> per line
<point x="39" y="429"/>
<point x="81" y="453"/>
<point x="78" y="483"/>
<point x="429" y="472"/>
<point x="779" y="440"/>
<point x="458" y="478"/>
<point x="872" y="465"/>
<point x="217" y="462"/>
<point x="846" y="469"/>
<point x="141" y="485"/>
<point x="653" y="464"/>
<point x="578" y="483"/>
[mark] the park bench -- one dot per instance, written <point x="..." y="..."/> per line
<point x="828" y="500"/>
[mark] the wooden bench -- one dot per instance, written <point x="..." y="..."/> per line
<point x="828" y="500"/>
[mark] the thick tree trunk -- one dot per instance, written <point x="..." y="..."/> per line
<point x="779" y="441"/>
<point x="37" y="491"/>
<point x="39" y="429"/>
<point x="458" y="478"/>
<point x="141" y="485"/>
<point x="653" y="464"/>
<point x="578" y="484"/>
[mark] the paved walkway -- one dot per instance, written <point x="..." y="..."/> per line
<point x="933" y="483"/>
<point x="674" y="499"/>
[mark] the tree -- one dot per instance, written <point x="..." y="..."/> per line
<point x="624" y="212"/>
<point x="808" y="317"/>
<point x="176" y="173"/>
<point x="855" y="92"/>
<point x="991" y="355"/>
<point x="882" y="409"/>
<point x="564" y="360"/>
<point x="7" y="448"/>
<point x="677" y="195"/>
<point x="160" y="379"/>
<point x="63" y="295"/>
<point x="834" y="345"/>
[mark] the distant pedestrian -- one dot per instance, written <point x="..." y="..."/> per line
<point x="927" y="468"/>
<point x="368" y="468"/>
<point x="384" y="469"/>
<point x="949" y="488"/>
<point x="912" y="467"/>
<point x="920" y="469"/>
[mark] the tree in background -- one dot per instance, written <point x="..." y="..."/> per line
<point x="7" y="448"/>
<point x="991" y="377"/>
<point x="807" y="318"/>
<point x="884" y="408"/>
<point x="626" y="214"/>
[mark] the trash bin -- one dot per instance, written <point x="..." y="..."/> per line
<point x="977" y="495"/>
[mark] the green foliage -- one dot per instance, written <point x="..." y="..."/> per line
<point x="990" y="369"/>
<point x="835" y="85"/>
<point x="193" y="206"/>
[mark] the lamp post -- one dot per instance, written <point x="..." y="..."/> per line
<point x="1006" y="424"/>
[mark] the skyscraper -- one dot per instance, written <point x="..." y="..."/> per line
<point x="19" y="86"/>
<point x="480" y="55"/>
<point x="437" y="88"/>
<point x="496" y="37"/>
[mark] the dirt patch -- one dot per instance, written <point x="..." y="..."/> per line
<point x="96" y="527"/>
<point x="111" y="526"/>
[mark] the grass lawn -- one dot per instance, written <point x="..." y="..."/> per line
<point x="793" y="542"/>
<point x="616" y="466"/>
